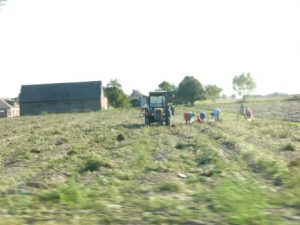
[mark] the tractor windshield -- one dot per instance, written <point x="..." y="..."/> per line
<point x="157" y="101"/>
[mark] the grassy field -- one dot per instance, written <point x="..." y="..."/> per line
<point x="108" y="168"/>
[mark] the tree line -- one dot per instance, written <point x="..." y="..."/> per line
<point x="187" y="92"/>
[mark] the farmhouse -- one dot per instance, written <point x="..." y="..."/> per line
<point x="62" y="97"/>
<point x="8" y="108"/>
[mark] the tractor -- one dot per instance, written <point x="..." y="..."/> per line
<point x="157" y="109"/>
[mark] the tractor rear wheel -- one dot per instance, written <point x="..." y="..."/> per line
<point x="168" y="121"/>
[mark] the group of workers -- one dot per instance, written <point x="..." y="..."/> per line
<point x="245" y="111"/>
<point x="215" y="114"/>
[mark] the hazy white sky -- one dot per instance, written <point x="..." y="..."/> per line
<point x="141" y="43"/>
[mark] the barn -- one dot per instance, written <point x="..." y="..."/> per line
<point x="62" y="97"/>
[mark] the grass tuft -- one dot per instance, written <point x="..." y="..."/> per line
<point x="92" y="165"/>
<point x="289" y="147"/>
<point x="120" y="137"/>
<point x="206" y="157"/>
<point x="170" y="187"/>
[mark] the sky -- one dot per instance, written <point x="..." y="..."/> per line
<point x="142" y="43"/>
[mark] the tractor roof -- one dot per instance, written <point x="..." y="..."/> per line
<point x="157" y="93"/>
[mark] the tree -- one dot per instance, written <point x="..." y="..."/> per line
<point x="189" y="90"/>
<point x="115" y="95"/>
<point x="166" y="86"/>
<point x="243" y="84"/>
<point x="170" y="88"/>
<point x="212" y="92"/>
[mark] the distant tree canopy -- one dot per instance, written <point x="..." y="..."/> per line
<point x="189" y="90"/>
<point x="212" y="92"/>
<point x="166" y="86"/>
<point x="115" y="95"/>
<point x="170" y="88"/>
<point x="243" y="84"/>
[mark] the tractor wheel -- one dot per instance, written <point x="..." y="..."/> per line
<point x="161" y="122"/>
<point x="168" y="121"/>
<point x="147" y="121"/>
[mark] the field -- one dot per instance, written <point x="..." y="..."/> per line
<point x="281" y="109"/>
<point x="108" y="168"/>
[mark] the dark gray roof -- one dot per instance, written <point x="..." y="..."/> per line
<point x="60" y="91"/>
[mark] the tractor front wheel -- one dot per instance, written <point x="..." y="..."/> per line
<point x="147" y="121"/>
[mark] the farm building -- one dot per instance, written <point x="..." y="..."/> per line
<point x="8" y="108"/>
<point x="136" y="97"/>
<point x="62" y="97"/>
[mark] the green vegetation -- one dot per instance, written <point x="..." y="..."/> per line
<point x="109" y="168"/>
<point x="115" y="95"/>
<point x="243" y="84"/>
<point x="190" y="90"/>
<point x="212" y="92"/>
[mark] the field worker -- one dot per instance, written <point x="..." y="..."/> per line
<point x="188" y="116"/>
<point x="241" y="111"/>
<point x="201" y="117"/>
<point x="248" y="113"/>
<point x="216" y="114"/>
